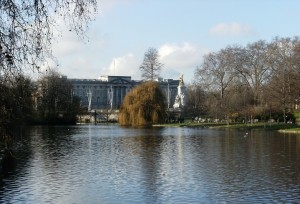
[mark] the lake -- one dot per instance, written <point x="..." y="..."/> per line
<point x="110" y="164"/>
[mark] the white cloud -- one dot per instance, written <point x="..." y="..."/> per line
<point x="180" y="59"/>
<point x="78" y="58"/>
<point x="68" y="43"/>
<point x="177" y="59"/>
<point x="234" y="29"/>
<point x="127" y="65"/>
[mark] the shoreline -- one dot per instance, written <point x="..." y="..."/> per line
<point x="281" y="127"/>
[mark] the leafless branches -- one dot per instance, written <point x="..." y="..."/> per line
<point x="270" y="71"/>
<point x="27" y="29"/>
<point x="151" y="67"/>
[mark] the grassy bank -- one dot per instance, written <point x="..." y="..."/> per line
<point x="292" y="128"/>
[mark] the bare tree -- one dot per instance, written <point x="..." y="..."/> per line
<point x="248" y="80"/>
<point x="195" y="101"/>
<point x="27" y="29"/>
<point x="216" y="75"/>
<point x="282" y="90"/>
<point x="151" y="67"/>
<point x="254" y="66"/>
<point x="56" y="103"/>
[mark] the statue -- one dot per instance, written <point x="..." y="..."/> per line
<point x="181" y="83"/>
<point x="179" y="102"/>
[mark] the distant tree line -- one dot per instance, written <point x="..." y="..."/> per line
<point x="260" y="80"/>
<point x="55" y="102"/>
<point x="48" y="100"/>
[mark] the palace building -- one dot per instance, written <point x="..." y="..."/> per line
<point x="108" y="92"/>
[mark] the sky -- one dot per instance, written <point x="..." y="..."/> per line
<point x="182" y="31"/>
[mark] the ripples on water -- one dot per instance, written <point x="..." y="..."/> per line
<point x="109" y="164"/>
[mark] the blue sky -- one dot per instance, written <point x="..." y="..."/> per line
<point x="183" y="31"/>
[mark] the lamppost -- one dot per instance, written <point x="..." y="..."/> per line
<point x="168" y="95"/>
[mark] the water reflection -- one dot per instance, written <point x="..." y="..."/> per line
<point x="109" y="164"/>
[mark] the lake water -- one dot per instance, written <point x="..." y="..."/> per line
<point x="110" y="164"/>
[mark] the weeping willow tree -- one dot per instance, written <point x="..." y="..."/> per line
<point x="143" y="106"/>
